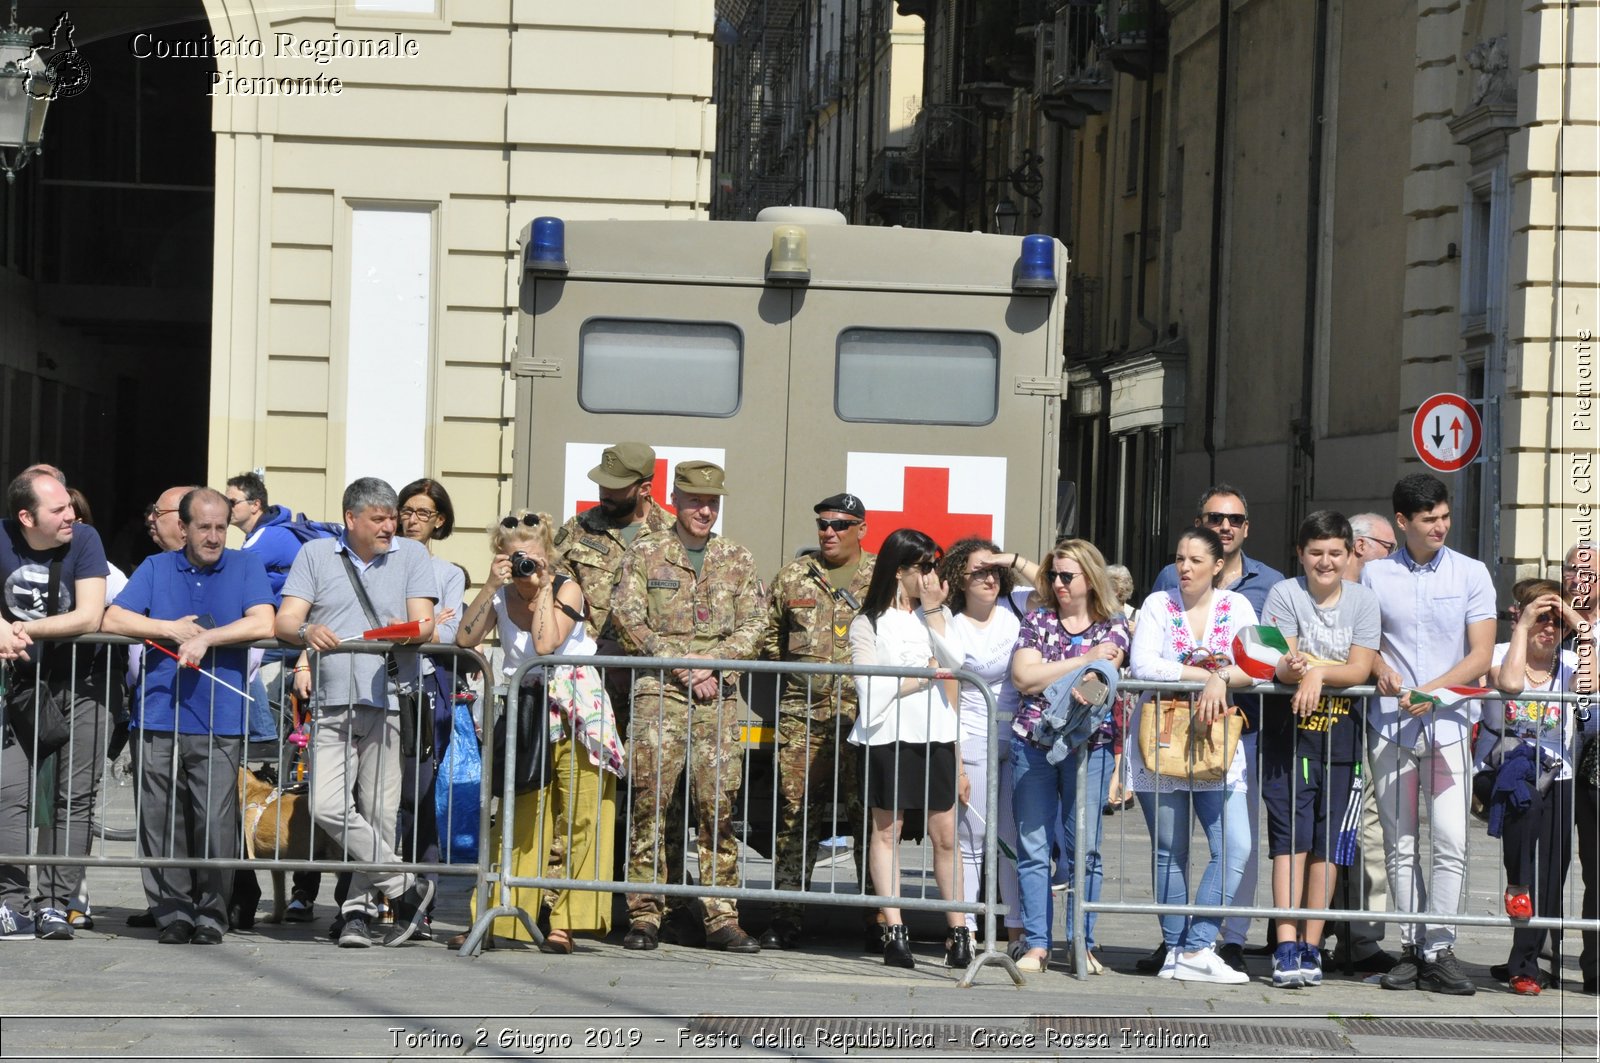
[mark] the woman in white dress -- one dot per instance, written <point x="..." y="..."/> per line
<point x="906" y="726"/>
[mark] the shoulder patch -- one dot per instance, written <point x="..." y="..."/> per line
<point x="561" y="536"/>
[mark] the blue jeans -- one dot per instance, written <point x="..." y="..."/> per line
<point x="1225" y="817"/>
<point x="1042" y="801"/>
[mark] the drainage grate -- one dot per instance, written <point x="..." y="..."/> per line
<point x="1543" y="1033"/>
<point x="1152" y="1034"/>
<point x="1005" y="1036"/>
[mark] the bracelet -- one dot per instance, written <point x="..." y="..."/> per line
<point x="302" y="668"/>
<point x="1016" y="559"/>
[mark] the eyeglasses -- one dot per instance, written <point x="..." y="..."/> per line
<point x="1578" y="570"/>
<point x="1388" y="547"/>
<point x="527" y="520"/>
<point x="985" y="574"/>
<point x="1216" y="520"/>
<point x="152" y="512"/>
<point x="838" y="524"/>
<point x="1064" y="578"/>
<point x="923" y="567"/>
<point x="235" y="503"/>
<point x="428" y="514"/>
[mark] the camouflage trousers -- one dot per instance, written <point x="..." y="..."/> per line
<point x="819" y="794"/>
<point x="666" y="739"/>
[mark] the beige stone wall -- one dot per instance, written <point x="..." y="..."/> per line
<point x="510" y="110"/>
<point x="1552" y="432"/>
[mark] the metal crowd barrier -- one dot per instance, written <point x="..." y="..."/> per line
<point x="728" y="700"/>
<point x="288" y="746"/>
<point x="1355" y="871"/>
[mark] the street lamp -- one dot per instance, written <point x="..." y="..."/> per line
<point x="1005" y="217"/>
<point x="25" y="91"/>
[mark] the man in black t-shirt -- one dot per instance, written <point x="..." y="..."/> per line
<point x="41" y="543"/>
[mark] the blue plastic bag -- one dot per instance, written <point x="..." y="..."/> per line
<point x="458" y="792"/>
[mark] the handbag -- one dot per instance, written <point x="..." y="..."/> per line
<point x="416" y="725"/>
<point x="39" y="712"/>
<point x="458" y="794"/>
<point x="1588" y="772"/>
<point x="1173" y="747"/>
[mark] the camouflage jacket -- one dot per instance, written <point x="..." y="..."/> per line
<point x="808" y="621"/>
<point x="590" y="551"/>
<point x="662" y="609"/>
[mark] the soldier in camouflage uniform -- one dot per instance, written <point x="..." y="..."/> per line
<point x="589" y="547"/>
<point x="687" y="593"/>
<point x="814" y="598"/>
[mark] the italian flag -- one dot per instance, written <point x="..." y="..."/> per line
<point x="1257" y="650"/>
<point x="1445" y="697"/>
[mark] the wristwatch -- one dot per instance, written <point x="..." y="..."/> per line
<point x="1222" y="674"/>
<point x="301" y="634"/>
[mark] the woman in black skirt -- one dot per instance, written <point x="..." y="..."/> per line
<point x="907" y="726"/>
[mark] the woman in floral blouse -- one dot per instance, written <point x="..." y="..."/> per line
<point x="1081" y="624"/>
<point x="1188" y="637"/>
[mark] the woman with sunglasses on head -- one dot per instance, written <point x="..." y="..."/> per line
<point x="1186" y="635"/>
<point x="1524" y="736"/>
<point x="539" y="613"/>
<point x="986" y="607"/>
<point x="907" y="726"/>
<point x="1080" y="624"/>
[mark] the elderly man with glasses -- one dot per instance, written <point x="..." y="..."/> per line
<point x="813" y="599"/>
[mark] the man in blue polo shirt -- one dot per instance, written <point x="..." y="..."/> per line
<point x="190" y="724"/>
<point x="1223" y="509"/>
<point x="1438" y="616"/>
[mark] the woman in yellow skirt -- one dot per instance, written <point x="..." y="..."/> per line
<point x="563" y="829"/>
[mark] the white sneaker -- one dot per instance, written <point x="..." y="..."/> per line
<point x="1169" y="966"/>
<point x="1205" y="966"/>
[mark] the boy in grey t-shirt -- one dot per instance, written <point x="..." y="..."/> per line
<point x="1310" y="745"/>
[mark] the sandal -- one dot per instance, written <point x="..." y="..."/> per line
<point x="558" y="941"/>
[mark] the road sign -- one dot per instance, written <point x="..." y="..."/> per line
<point x="1446" y="432"/>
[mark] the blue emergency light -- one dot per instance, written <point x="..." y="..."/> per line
<point x="547" y="248"/>
<point x="1036" y="271"/>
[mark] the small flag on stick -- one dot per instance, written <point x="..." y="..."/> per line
<point x="1257" y="649"/>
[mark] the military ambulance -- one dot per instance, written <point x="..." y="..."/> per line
<point x="920" y="370"/>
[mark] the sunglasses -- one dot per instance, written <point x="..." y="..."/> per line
<point x="1064" y="578"/>
<point x="923" y="567"/>
<point x="426" y="514"/>
<point x="838" y="524"/>
<point x="988" y="572"/>
<point x="1388" y="547"/>
<point x="527" y="520"/>
<point x="1216" y="520"/>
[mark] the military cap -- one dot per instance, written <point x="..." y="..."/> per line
<point x="624" y="465"/>
<point x="699" y="478"/>
<point x="842" y="503"/>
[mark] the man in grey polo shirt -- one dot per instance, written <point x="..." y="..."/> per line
<point x="355" y="753"/>
<point x="1438" y="615"/>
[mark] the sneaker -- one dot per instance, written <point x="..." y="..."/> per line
<point x="80" y="920"/>
<point x="1286" y="973"/>
<point x="1403" y="975"/>
<point x="1233" y="955"/>
<point x="299" y="910"/>
<point x="15" y="926"/>
<point x="1443" y="974"/>
<point x="1205" y="966"/>
<point x="1310" y="964"/>
<point x="354" y="933"/>
<point x="52" y="925"/>
<point x="409" y="910"/>
<point x="1169" y="965"/>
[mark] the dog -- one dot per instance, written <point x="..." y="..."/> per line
<point x="277" y="823"/>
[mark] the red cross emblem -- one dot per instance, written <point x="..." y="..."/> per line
<point x="926" y="502"/>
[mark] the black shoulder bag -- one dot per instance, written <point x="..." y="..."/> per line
<point x="37" y="711"/>
<point x="416" y="726"/>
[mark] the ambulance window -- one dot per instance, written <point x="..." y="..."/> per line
<point x="674" y="367"/>
<point x="908" y="376"/>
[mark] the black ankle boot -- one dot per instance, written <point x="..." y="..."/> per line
<point x="958" y="948"/>
<point x="897" y="947"/>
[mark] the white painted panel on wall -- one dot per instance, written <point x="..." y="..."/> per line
<point x="391" y="285"/>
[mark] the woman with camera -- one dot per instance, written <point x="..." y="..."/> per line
<point x="540" y="613"/>
<point x="1530" y="738"/>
